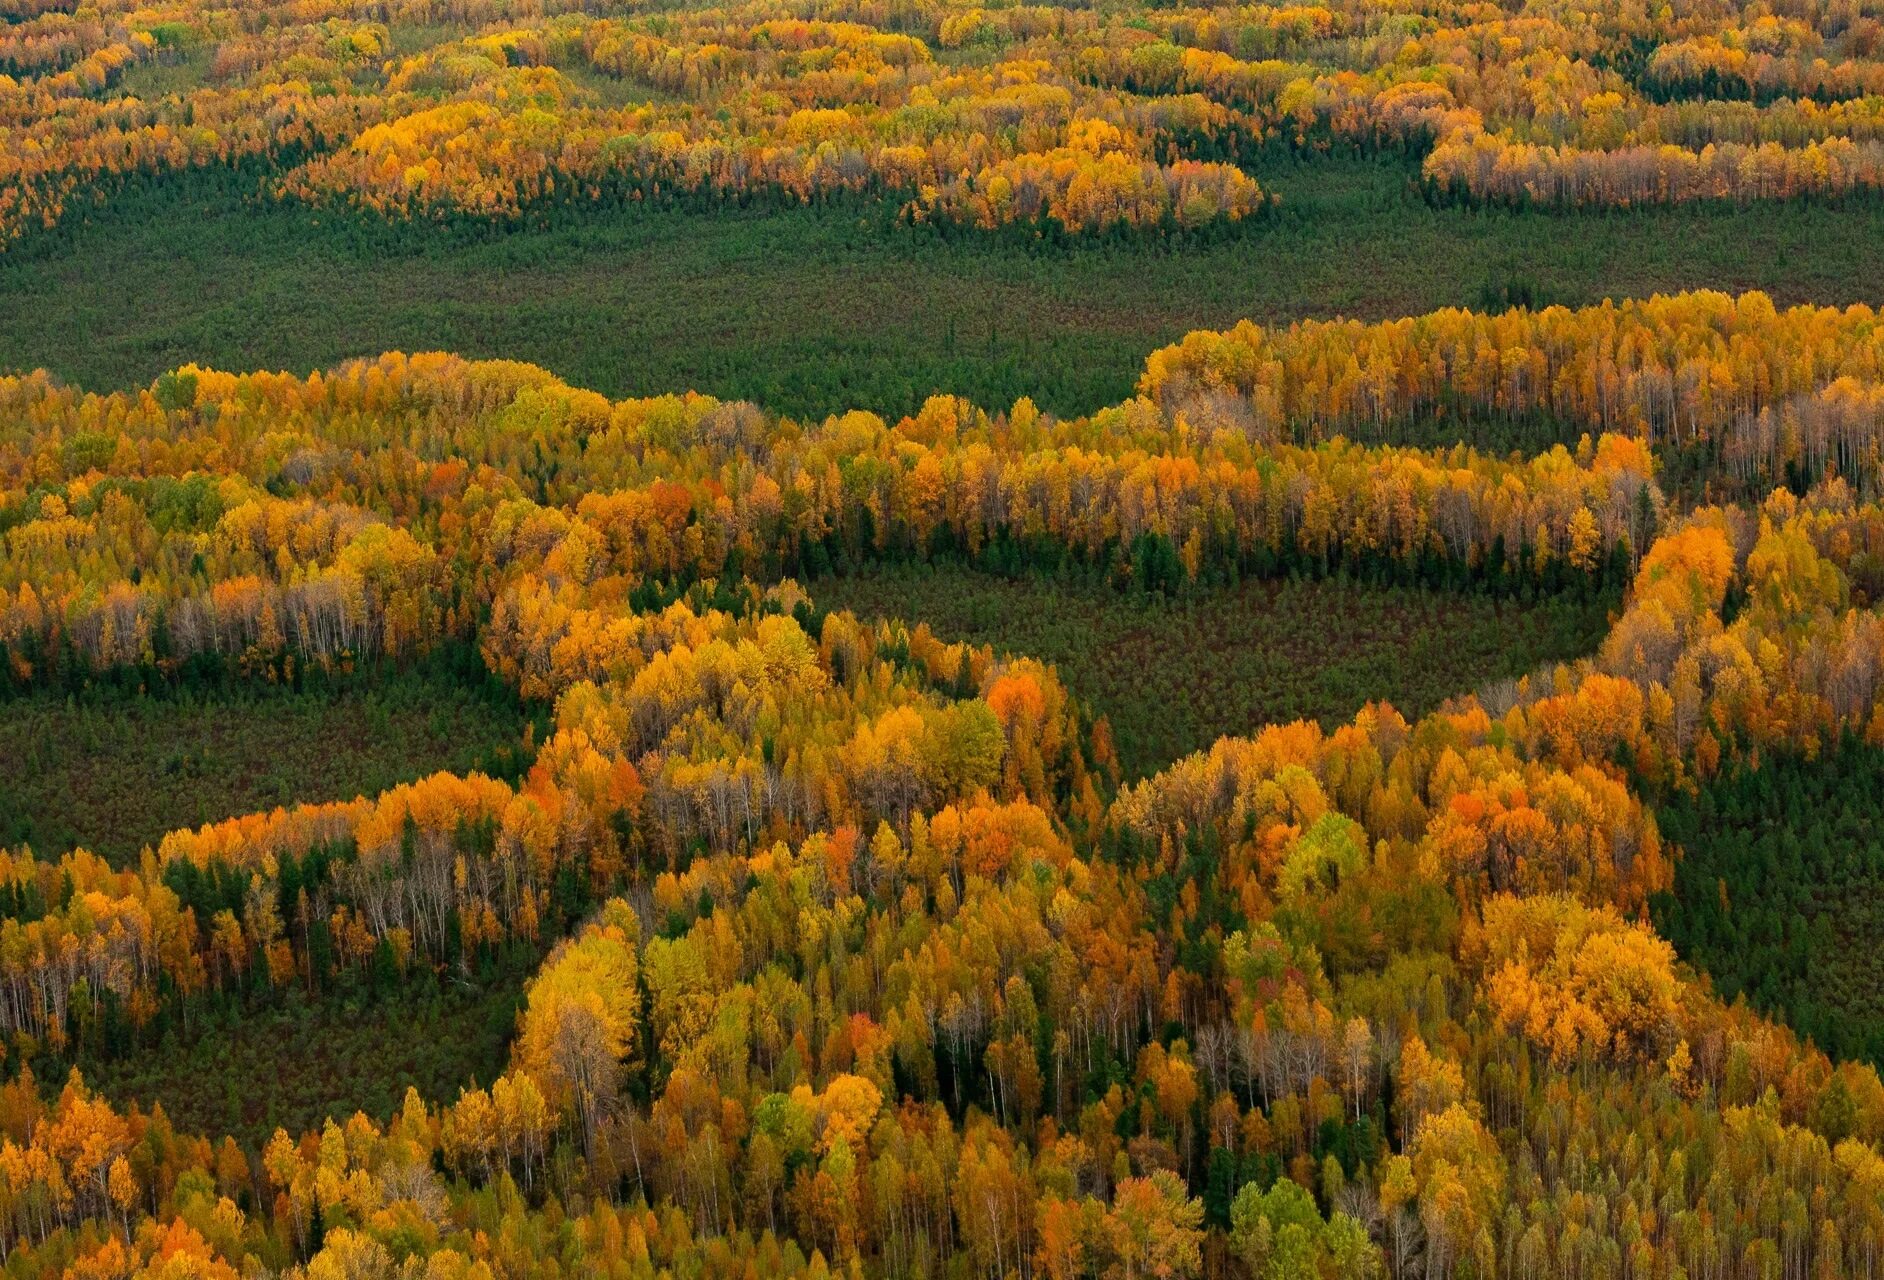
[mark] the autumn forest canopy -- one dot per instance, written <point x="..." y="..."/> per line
<point x="929" y="641"/>
<point x="822" y="208"/>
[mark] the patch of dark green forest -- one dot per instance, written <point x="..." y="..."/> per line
<point x="113" y="763"/>
<point x="292" y="1063"/>
<point x="816" y="310"/>
<point x="1173" y="672"/>
<point x="1779" y="893"/>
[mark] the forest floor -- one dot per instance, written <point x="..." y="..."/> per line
<point x="114" y="771"/>
<point x="812" y="311"/>
<point x="1173" y="676"/>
